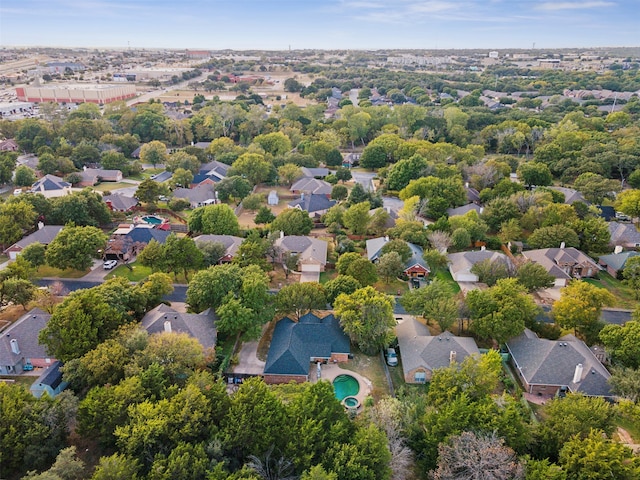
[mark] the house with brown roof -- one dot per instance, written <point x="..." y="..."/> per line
<point x="9" y="145"/>
<point x="422" y="352"/>
<point x="120" y="203"/>
<point x="43" y="235"/>
<point x="624" y="235"/>
<point x="51" y="186"/>
<point x="546" y="367"/>
<point x="230" y="242"/>
<point x="92" y="176"/>
<point x="564" y="264"/>
<point x="200" y="326"/>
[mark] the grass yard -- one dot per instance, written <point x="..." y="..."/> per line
<point x="110" y="186"/>
<point x="625" y="297"/>
<point x="393" y="287"/>
<point x="371" y="368"/>
<point x="137" y="273"/>
<point x="24" y="380"/>
<point x="328" y="275"/>
<point x="630" y="426"/>
<point x="47" y="271"/>
<point x="445" y="276"/>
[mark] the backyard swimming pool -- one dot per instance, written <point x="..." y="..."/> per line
<point x="345" y="386"/>
<point x="152" y="219"/>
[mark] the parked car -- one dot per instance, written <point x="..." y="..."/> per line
<point x="109" y="264"/>
<point x="392" y="358"/>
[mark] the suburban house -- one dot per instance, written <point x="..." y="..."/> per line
<point x="422" y="353"/>
<point x="211" y="172"/>
<point x="624" y="235"/>
<point x="20" y="350"/>
<point x="199" y="196"/>
<point x="473" y="196"/>
<point x="315" y="205"/>
<point x="546" y="367"/>
<point x="452" y="212"/>
<point x="128" y="240"/>
<point x="615" y="262"/>
<point x="312" y="254"/>
<point x="272" y="198"/>
<point x="200" y="326"/>
<point x="564" y="264"/>
<point x="295" y="346"/>
<point x="310" y="185"/>
<point x="351" y="160"/>
<point x="43" y="235"/>
<point x="460" y="264"/>
<point x="230" y="242"/>
<point x="92" y="176"/>
<point x="393" y="216"/>
<point x="161" y="177"/>
<point x="314" y="172"/>
<point x="51" y="186"/>
<point x="49" y="382"/>
<point x="9" y="145"/>
<point x="415" y="267"/>
<point x="570" y="195"/>
<point x="120" y="203"/>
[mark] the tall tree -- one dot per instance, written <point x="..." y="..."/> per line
<point x="208" y="288"/>
<point x="292" y="221"/>
<point x="390" y="265"/>
<point x="434" y="302"/>
<point x="154" y="153"/>
<point x="579" y="307"/>
<point x="299" y="299"/>
<point x="75" y="247"/>
<point x="217" y="219"/>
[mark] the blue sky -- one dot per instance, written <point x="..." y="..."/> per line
<point x="356" y="24"/>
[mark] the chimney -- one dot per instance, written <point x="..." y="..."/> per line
<point x="618" y="249"/>
<point x="40" y="225"/>
<point x="577" y="376"/>
<point x="466" y="184"/>
<point x="14" y="346"/>
<point x="386" y="238"/>
<point x="483" y="248"/>
<point x="167" y="326"/>
<point x="481" y="210"/>
<point x="562" y="245"/>
<point x="388" y="209"/>
<point x="452" y="357"/>
<point x="281" y="234"/>
<point x="302" y="196"/>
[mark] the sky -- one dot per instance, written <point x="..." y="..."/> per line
<point x="322" y="24"/>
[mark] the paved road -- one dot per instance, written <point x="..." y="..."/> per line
<point x="365" y="179"/>
<point x="179" y="291"/>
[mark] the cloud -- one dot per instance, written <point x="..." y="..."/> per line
<point x="552" y="6"/>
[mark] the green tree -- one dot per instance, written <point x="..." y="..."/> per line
<point x="264" y="215"/>
<point x="533" y="276"/>
<point x="498" y="211"/>
<point x="253" y="202"/>
<point x="358" y="194"/>
<point x="401" y="173"/>
<point x="595" y="457"/>
<point x="17" y="291"/>
<point x="299" y="299"/>
<point x="593" y="233"/>
<point x="628" y="202"/>
<point x="340" y="284"/>
<point x="490" y="272"/>
<point x="251" y="166"/>
<point x="233" y="187"/>
<point x="318" y="473"/>
<point x="553" y="237"/>
<point x="625" y="382"/>
<point x="434" y="302"/>
<point x="212" y="251"/>
<point x="182" y="178"/>
<point x="390" y="265"/>
<point x="339" y="192"/>
<point x="292" y="221"/>
<point x="596" y="188"/>
<point x="288" y="173"/>
<point x="154" y="153"/>
<point x="181" y="254"/>
<point x="34" y="254"/>
<point x="345" y="260"/>
<point x="275" y="143"/>
<point x="400" y="247"/>
<point x="356" y="218"/>
<point x="82" y="208"/>
<point x="535" y="173"/>
<point x="115" y="467"/>
<point x="621" y="342"/>
<point x="543" y="470"/>
<point x="217" y="219"/>
<point x="363" y="271"/>
<point x="373" y="156"/>
<point x="631" y="275"/>
<point x="502" y="311"/>
<point x="208" y="288"/>
<point x="24" y="176"/>
<point x="153" y="256"/>
<point x="75" y="247"/>
<point x="367" y="317"/>
<point x="182" y="160"/>
<point x="149" y="191"/>
<point x="579" y="307"/>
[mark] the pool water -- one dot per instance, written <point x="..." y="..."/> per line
<point x="351" y="402"/>
<point x="345" y="386"/>
<point x="152" y="220"/>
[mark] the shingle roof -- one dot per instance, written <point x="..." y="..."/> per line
<point x="49" y="182"/>
<point x="312" y="185"/>
<point x="416" y="257"/>
<point x="617" y="261"/>
<point x="550" y="257"/>
<point x="25" y="330"/>
<point x="374" y="252"/>
<point x="161" y="177"/>
<point x="93" y="173"/>
<point x="463" y="261"/>
<point x="452" y="212"/>
<point x="314" y="172"/>
<point x="219" y="168"/>
<point x="198" y="194"/>
<point x="313" y="203"/>
<point x="553" y="362"/>
<point x="294" y="343"/>
<point x="120" y="202"/>
<point x="570" y="195"/>
<point x="200" y="326"/>
<point x="145" y="235"/>
<point x="44" y="235"/>
<point x="420" y="349"/>
<point x="306" y="247"/>
<point x="52" y="376"/>
<point x="623" y="233"/>
<point x="230" y="242"/>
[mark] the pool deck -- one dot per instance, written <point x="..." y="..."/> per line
<point x="332" y="370"/>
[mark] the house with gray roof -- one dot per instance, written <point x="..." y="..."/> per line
<point x="161" y="177"/>
<point x="547" y="366"/>
<point x="615" y="262"/>
<point x="314" y="172"/>
<point x="452" y="212"/>
<point x="415" y="266"/>
<point x="315" y="205"/>
<point x="230" y="242"/>
<point x="295" y="346"/>
<point x="19" y="347"/>
<point x="312" y="254"/>
<point x="43" y="235"/>
<point x="51" y="186"/>
<point x="215" y="169"/>
<point x="461" y="263"/>
<point x="309" y="185"/>
<point x="570" y="195"/>
<point x="120" y="203"/>
<point x="564" y="264"/>
<point x="422" y="352"/>
<point x="203" y="194"/>
<point x="49" y="382"/>
<point x="624" y="235"/>
<point x="92" y="176"/>
<point x="201" y="326"/>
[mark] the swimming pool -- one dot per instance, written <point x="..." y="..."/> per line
<point x="152" y="219"/>
<point x="345" y="386"/>
<point x="351" y="402"/>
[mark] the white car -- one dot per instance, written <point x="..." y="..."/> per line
<point x="392" y="358"/>
<point x="109" y="264"/>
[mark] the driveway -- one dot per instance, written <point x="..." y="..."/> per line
<point x="248" y="361"/>
<point x="365" y="179"/>
<point x="309" y="277"/>
<point x="97" y="273"/>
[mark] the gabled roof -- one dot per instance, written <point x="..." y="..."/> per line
<point x="308" y="248"/>
<point x="374" y="252"/>
<point x="230" y="242"/>
<point x="623" y="233"/>
<point x="199" y="194"/>
<point x="214" y="167"/>
<point x="312" y="185"/>
<point x="416" y="258"/>
<point x="617" y="261"/>
<point x="553" y="362"/>
<point x="462" y="261"/>
<point x="25" y="330"/>
<point x="49" y="182"/>
<point x="553" y="258"/>
<point x="52" y="376"/>
<point x="202" y="145"/>
<point x="144" y="234"/>
<point x="452" y="212"/>
<point x="200" y="326"/>
<point x="313" y="203"/>
<point x="314" y="172"/>
<point x="472" y="195"/>
<point x="120" y="202"/>
<point x="420" y="349"/>
<point x="293" y="344"/>
<point x="94" y="173"/>
<point x="161" y="177"/>
<point x="44" y="235"/>
<point x="570" y="195"/>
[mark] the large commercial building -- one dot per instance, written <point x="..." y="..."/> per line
<point x="81" y="93"/>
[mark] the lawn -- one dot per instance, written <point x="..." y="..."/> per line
<point x="371" y="368"/>
<point x="138" y="272"/>
<point x="110" y="186"/>
<point x="328" y="275"/>
<point x="394" y="287"/>
<point x="446" y="277"/>
<point x="47" y="271"/>
<point x="630" y="426"/>
<point x="624" y="294"/>
<point x="25" y="380"/>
